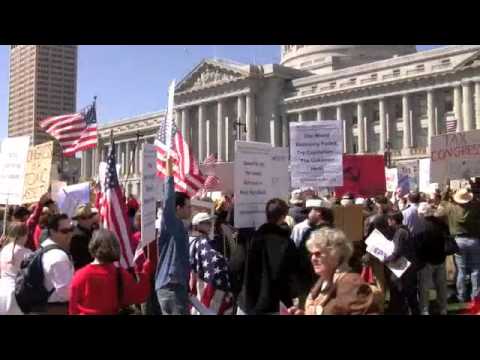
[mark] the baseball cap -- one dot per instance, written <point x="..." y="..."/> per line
<point x="202" y="217"/>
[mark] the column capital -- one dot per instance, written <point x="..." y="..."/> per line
<point x="466" y="82"/>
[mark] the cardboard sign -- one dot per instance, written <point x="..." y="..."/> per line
<point x="408" y="175"/>
<point x="363" y="176"/>
<point x="280" y="176"/>
<point x="13" y="160"/>
<point x="148" y="199"/>
<point x="349" y="219"/>
<point x="252" y="183"/>
<point x="455" y="156"/>
<point x="391" y="178"/>
<point x="316" y="149"/>
<point x="38" y="172"/>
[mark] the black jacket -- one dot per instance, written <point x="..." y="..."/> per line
<point x="431" y="247"/>
<point x="269" y="271"/>
<point x="79" y="247"/>
<point x="298" y="213"/>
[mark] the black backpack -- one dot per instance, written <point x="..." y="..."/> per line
<point x="30" y="291"/>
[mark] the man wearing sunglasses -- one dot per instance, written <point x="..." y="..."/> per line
<point x="57" y="265"/>
<point x="82" y="234"/>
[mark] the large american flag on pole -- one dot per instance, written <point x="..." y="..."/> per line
<point x="75" y="132"/>
<point x="209" y="278"/>
<point x="114" y="211"/>
<point x="169" y="142"/>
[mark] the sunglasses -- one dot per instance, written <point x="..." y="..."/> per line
<point x="66" y="231"/>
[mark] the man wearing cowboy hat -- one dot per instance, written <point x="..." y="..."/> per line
<point x="82" y="234"/>
<point x="464" y="222"/>
<point x="297" y="209"/>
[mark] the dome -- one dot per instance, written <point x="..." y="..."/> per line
<point x="323" y="58"/>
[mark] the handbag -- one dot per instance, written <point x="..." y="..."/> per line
<point x="451" y="246"/>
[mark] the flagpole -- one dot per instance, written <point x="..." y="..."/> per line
<point x="97" y="154"/>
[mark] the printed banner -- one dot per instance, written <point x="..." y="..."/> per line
<point x="455" y="156"/>
<point x="363" y="176"/>
<point x="316" y="149"/>
<point x="38" y="172"/>
<point x="13" y="159"/>
<point x="252" y="183"/>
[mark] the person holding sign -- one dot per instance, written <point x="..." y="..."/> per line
<point x="173" y="271"/>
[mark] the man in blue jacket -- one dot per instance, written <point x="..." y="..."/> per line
<point x="173" y="271"/>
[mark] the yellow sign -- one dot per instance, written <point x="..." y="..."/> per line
<point x="38" y="172"/>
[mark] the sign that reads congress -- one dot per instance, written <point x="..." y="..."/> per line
<point x="252" y="183"/>
<point x="316" y="149"/>
<point x="455" y="156"/>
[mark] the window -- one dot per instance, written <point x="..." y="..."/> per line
<point x="422" y="106"/>
<point x="355" y="120"/>
<point x="421" y="67"/>
<point x="448" y="102"/>
<point x="396" y="72"/>
<point x="398" y="111"/>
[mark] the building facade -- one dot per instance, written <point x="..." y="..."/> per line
<point x="43" y="83"/>
<point x="387" y="96"/>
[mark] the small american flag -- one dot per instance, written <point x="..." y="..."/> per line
<point x="209" y="278"/>
<point x="212" y="181"/>
<point x="114" y="212"/>
<point x="75" y="132"/>
<point x="451" y="124"/>
<point x="170" y="142"/>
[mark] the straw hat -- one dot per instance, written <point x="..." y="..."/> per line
<point x="463" y="196"/>
<point x="318" y="203"/>
<point x="296" y="198"/>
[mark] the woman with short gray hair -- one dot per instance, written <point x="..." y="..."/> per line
<point x="338" y="291"/>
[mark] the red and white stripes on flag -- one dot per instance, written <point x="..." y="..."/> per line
<point x="114" y="212"/>
<point x="169" y="142"/>
<point x="216" y="300"/>
<point x="75" y="132"/>
<point x="451" y="124"/>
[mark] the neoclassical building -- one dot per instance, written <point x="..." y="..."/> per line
<point x="387" y="96"/>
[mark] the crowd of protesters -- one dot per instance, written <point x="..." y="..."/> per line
<point x="298" y="259"/>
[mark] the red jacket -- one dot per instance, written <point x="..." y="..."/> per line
<point x="32" y="223"/>
<point x="36" y="236"/>
<point x="94" y="289"/>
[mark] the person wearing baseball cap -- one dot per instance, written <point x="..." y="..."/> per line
<point x="82" y="234"/>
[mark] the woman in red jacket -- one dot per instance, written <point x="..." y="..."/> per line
<point x="103" y="289"/>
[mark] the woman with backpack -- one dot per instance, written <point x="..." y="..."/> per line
<point x="11" y="257"/>
<point x="101" y="288"/>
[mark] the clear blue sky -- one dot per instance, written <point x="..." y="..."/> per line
<point x="132" y="79"/>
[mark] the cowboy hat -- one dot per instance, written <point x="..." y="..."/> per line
<point x="463" y="196"/>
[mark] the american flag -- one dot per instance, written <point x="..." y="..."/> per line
<point x="209" y="278"/>
<point x="451" y="124"/>
<point x="75" y="132"/>
<point x="212" y="181"/>
<point x="170" y="142"/>
<point x="114" y="212"/>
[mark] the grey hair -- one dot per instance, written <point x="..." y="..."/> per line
<point x="104" y="246"/>
<point x="334" y="240"/>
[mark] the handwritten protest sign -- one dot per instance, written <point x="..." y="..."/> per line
<point x="391" y="177"/>
<point x="252" y="183"/>
<point x="455" y="156"/>
<point x="280" y="177"/>
<point x="13" y="160"/>
<point x="69" y="197"/>
<point x="38" y="172"/>
<point x="408" y="176"/>
<point x="316" y="149"/>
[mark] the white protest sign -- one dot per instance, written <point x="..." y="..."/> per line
<point x="148" y="197"/>
<point x="380" y="247"/>
<point x="455" y="156"/>
<point x="391" y="177"/>
<point x="316" y="149"/>
<point x="13" y="159"/>
<point x="280" y="177"/>
<point x="424" y="184"/>
<point x="252" y="183"/>
<point x="71" y="196"/>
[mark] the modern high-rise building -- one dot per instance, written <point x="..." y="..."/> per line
<point x="43" y="83"/>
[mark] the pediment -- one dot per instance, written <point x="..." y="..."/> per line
<point x="471" y="61"/>
<point x="210" y="73"/>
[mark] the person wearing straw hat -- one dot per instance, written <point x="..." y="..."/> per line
<point x="464" y="221"/>
<point x="297" y="209"/>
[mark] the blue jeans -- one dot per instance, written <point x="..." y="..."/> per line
<point x="468" y="262"/>
<point x="173" y="300"/>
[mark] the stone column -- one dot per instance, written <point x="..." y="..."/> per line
<point x="406" y="123"/>
<point x="229" y="149"/>
<point x="300" y="117"/>
<point x="467" y="107"/>
<point x="185" y="126"/>
<point x="345" y="128"/>
<point x="202" y="139"/>
<point x="128" y="158"/>
<point x="208" y="137"/>
<point x="430" y="116"/>
<point x="274" y="133"/>
<point x="240" y="112"/>
<point x="361" y="128"/>
<point x="178" y="118"/>
<point x="220" y="132"/>
<point x="285" y="130"/>
<point x="82" y="164"/>
<point x="383" y="125"/>
<point x="250" y="117"/>
<point x="457" y="107"/>
<point x="319" y="114"/>
<point x="477" y="105"/>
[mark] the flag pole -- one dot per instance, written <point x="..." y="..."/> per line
<point x="97" y="154"/>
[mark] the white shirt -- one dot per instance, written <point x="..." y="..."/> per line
<point x="58" y="270"/>
<point x="299" y="231"/>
